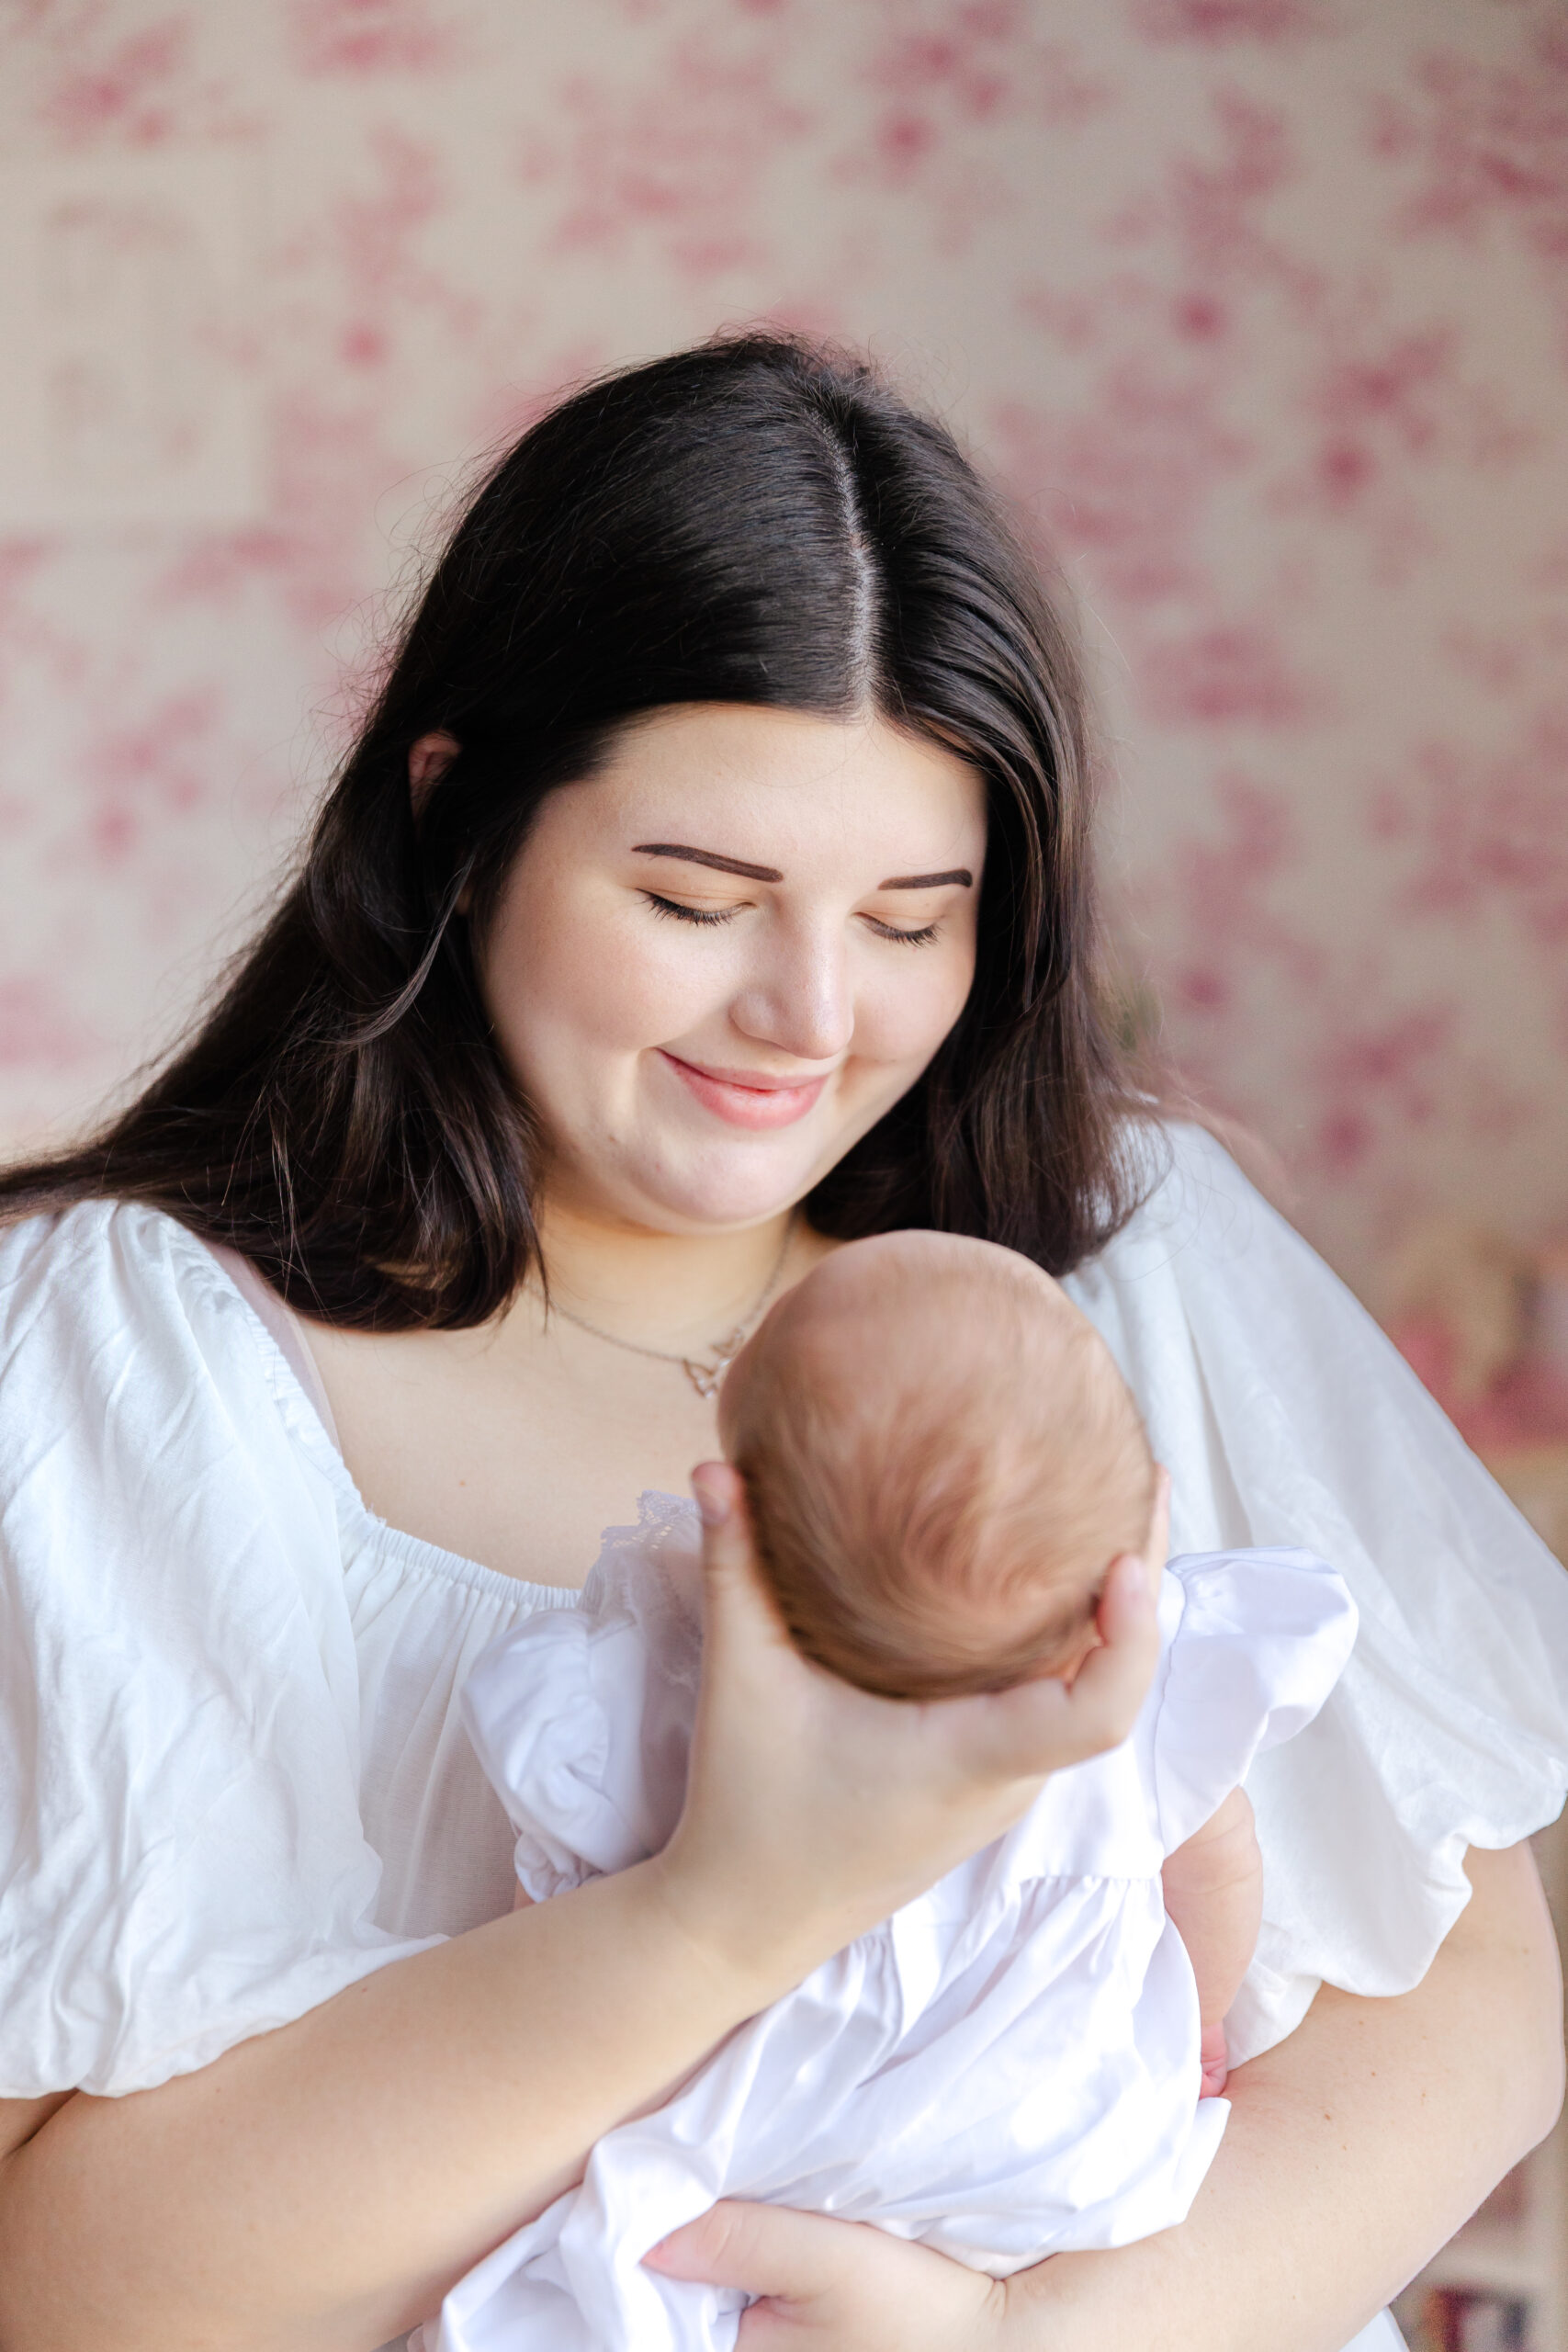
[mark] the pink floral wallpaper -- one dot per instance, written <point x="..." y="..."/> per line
<point x="1260" y="307"/>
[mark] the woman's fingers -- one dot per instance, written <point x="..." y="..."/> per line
<point x="1101" y="1704"/>
<point x="735" y="1591"/>
<point x="1042" y="1726"/>
<point x="813" y="1809"/>
<point x="765" y="2249"/>
<point x="1035" y="1729"/>
<point x="1110" y="1685"/>
<point x="838" y="2284"/>
<point x="721" y="1505"/>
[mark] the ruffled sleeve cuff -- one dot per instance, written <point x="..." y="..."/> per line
<point x="582" y="1717"/>
<point x="1263" y="1638"/>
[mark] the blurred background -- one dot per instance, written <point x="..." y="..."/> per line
<point x="1258" y="308"/>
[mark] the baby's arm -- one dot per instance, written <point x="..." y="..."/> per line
<point x="1214" y="1892"/>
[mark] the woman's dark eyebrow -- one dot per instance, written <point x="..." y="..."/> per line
<point x="709" y="857"/>
<point x="959" y="874"/>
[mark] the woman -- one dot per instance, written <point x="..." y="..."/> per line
<point x="710" y="885"/>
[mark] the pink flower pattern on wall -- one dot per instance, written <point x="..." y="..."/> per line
<point x="1258" y="308"/>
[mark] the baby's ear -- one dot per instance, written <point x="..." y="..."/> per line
<point x="1072" y="1665"/>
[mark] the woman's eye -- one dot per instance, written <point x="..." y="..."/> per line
<point x="687" y="914"/>
<point x="922" y="938"/>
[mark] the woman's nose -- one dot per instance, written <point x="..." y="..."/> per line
<point x="801" y="1002"/>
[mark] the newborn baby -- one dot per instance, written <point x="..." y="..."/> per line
<point x="943" y="1463"/>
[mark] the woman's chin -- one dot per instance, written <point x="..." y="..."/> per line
<point x="708" y="1199"/>
<point x="721" y="1209"/>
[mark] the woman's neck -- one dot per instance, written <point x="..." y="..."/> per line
<point x="663" y="1290"/>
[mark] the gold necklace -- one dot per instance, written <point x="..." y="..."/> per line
<point x="703" y="1374"/>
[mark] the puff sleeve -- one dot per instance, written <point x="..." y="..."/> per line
<point x="182" y="1860"/>
<point x="1287" y="1418"/>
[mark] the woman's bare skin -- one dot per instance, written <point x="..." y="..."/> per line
<point x="316" y="2189"/>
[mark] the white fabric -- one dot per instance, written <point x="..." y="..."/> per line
<point x="1007" y="2068"/>
<point x="285" y="1330"/>
<point x="1379" y="2334"/>
<point x="231" y="1779"/>
<point x="1286" y="1416"/>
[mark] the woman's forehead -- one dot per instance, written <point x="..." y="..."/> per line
<point x="783" y="781"/>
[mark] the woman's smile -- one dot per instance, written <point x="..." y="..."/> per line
<point x="747" y="1099"/>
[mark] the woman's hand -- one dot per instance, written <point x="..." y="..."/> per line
<point x="836" y="2284"/>
<point x="814" y="1810"/>
<point x="1353" y="2149"/>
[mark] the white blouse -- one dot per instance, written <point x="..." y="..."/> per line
<point x="233" y="1778"/>
<point x="1007" y="2068"/>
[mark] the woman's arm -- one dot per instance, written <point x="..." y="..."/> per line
<point x="317" y="2189"/>
<point x="1355" y="2149"/>
<point x="320" y="2186"/>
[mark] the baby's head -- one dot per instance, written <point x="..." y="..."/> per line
<point x="942" y="1462"/>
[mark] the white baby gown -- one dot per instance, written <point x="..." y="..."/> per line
<point x="1006" y="2068"/>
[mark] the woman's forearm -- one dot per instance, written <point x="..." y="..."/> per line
<point x="320" y="2186"/>
<point x="1354" y="2151"/>
<point x="317" y="2189"/>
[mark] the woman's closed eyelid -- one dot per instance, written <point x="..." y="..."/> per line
<point x="685" y="913"/>
<point x="920" y="938"/>
<point x="681" y="910"/>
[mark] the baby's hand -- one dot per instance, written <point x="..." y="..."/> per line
<point x="1214" y="2060"/>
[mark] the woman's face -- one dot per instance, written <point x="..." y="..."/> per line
<point x="716" y="964"/>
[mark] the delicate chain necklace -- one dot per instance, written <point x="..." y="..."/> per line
<point x="704" y="1377"/>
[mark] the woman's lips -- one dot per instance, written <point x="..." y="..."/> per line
<point x="748" y="1102"/>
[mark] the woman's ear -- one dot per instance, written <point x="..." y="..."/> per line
<point x="429" y="760"/>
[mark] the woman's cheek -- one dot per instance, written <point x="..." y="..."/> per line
<point x="609" y="976"/>
<point x="907" y="1013"/>
<point x="652" y="983"/>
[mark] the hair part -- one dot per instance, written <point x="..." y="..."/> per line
<point x="758" y="521"/>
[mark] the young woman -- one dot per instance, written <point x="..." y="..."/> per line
<point x="710" y="885"/>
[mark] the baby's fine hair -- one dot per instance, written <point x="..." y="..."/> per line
<point x="942" y="1462"/>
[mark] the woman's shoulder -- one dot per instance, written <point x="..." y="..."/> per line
<point x="66" y="1252"/>
<point x="114" y="1314"/>
<point x="1206" y="1251"/>
<point x="1188" y="1182"/>
<point x="180" y="1713"/>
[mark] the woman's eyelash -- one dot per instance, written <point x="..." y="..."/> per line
<point x="687" y="914"/>
<point x="710" y="915"/>
<point x="922" y="938"/>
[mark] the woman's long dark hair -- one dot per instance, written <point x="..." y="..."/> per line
<point x="758" y="521"/>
